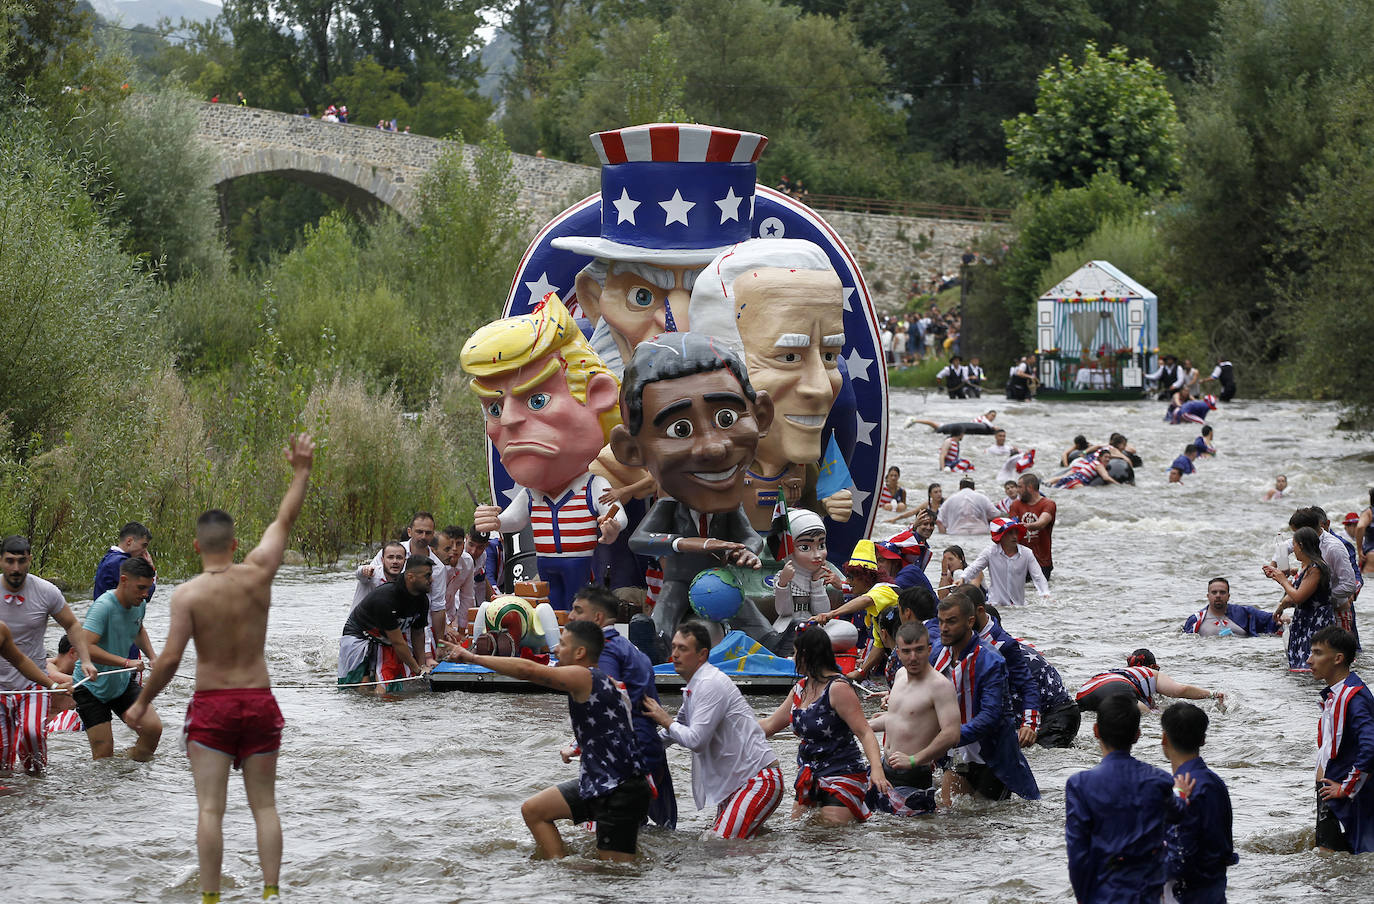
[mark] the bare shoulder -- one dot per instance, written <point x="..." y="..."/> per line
<point x="939" y="683"/>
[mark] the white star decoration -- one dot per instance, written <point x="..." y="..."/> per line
<point x="625" y="208"/>
<point x="539" y="288"/>
<point x="860" y="498"/>
<point x="676" y="209"/>
<point x="729" y="206"/>
<point x="865" y="430"/>
<point x="858" y="365"/>
<point x="848" y="296"/>
<point x="511" y="493"/>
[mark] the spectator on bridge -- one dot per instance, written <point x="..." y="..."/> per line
<point x="343" y="112"/>
<point x="243" y="102"/>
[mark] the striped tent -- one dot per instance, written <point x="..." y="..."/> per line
<point x="1097" y="314"/>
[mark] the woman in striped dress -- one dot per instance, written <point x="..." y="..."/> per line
<point x="1308" y="595"/>
<point x="829" y="722"/>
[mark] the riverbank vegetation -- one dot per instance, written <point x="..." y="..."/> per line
<point x="162" y="341"/>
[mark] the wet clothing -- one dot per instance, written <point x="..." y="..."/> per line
<point x="115" y="628"/>
<point x="1225" y="374"/>
<point x="95" y="710"/>
<point x="22" y="716"/>
<point x="718" y="725"/>
<point x="831" y="769"/>
<point x="1239" y="621"/>
<point x="742" y="814"/>
<point x="622" y="662"/>
<point x="1183" y="465"/>
<point x="1193" y="411"/>
<point x="390" y="607"/>
<point x="952" y="461"/>
<point x="1059" y="714"/>
<point x="238" y="722"/>
<point x="912" y="794"/>
<point x="1025" y="692"/>
<point x="1203" y="447"/>
<point x="1114" y="823"/>
<point x="1007" y="575"/>
<point x="987" y="733"/>
<point x="1042" y="543"/>
<point x="1345" y="755"/>
<point x="1136" y="681"/>
<point x="604" y="731"/>
<point x="1199" y="845"/>
<point x="617" y="813"/>
<point x="1309" y="617"/>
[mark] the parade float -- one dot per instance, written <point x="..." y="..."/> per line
<point x="681" y="254"/>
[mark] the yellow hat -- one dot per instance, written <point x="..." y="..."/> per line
<point x="864" y="556"/>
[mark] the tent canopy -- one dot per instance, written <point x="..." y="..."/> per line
<point x="1099" y="279"/>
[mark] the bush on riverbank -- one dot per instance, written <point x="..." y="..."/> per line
<point x="131" y="399"/>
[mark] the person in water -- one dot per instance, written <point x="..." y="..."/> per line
<point x="1141" y="680"/>
<point x="1113" y="858"/>
<point x="1183" y="464"/>
<point x="893" y="495"/>
<point x="733" y="768"/>
<point x="1199" y="846"/>
<point x="980" y="425"/>
<point x="837" y="755"/>
<point x="950" y="459"/>
<point x="920" y="725"/>
<point x="233" y="719"/>
<point x="1009" y="565"/>
<point x="1308" y="595"/>
<point x="987" y="760"/>
<point x="1345" y="746"/>
<point x="1222" y="618"/>
<point x="610" y="789"/>
<point x="1203" y="443"/>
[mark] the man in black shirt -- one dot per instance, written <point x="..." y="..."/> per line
<point x="374" y="642"/>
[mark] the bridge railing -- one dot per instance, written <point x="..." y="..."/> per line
<point x="908" y="208"/>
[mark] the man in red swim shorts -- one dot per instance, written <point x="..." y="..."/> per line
<point x="233" y="719"/>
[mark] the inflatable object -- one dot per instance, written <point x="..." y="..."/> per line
<point x="716" y="594"/>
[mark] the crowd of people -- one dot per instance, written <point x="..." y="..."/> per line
<point x="915" y="337"/>
<point x="963" y="698"/>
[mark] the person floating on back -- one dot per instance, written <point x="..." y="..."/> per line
<point x="1115" y="815"/>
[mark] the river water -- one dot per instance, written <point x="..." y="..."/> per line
<point x="417" y="798"/>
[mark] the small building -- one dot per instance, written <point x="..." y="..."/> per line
<point x="1097" y="334"/>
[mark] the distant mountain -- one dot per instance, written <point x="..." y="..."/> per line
<point x="498" y="58"/>
<point x="147" y="12"/>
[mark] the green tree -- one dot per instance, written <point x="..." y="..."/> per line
<point x="1109" y="114"/>
<point x="959" y="68"/>
<point x="1057" y="221"/>
<point x="1284" y="73"/>
<point x="654" y="89"/>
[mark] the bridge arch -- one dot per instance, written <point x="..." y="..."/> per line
<point x="359" y="185"/>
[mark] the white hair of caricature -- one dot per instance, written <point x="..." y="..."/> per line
<point x="713" y="309"/>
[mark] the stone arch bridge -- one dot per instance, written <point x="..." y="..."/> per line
<point x="364" y="167"/>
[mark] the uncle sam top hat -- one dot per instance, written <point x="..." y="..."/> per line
<point x="672" y="194"/>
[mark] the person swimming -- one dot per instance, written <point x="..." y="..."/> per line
<point x="1194" y="411"/>
<point x="980" y="425"/>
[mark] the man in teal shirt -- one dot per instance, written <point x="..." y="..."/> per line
<point x="115" y="622"/>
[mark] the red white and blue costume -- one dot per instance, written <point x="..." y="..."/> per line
<point x="1025" y="692"/>
<point x="1193" y="411"/>
<point x="916" y="553"/>
<point x="565" y="532"/>
<point x="1200" y="845"/>
<point x="1240" y="621"/>
<point x="1082" y="471"/>
<point x="831" y="769"/>
<point x="952" y="461"/>
<point x="987" y="732"/>
<point x="1345" y="755"/>
<point x="1137" y="681"/>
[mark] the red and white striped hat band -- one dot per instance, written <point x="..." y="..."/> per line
<point x="677" y="143"/>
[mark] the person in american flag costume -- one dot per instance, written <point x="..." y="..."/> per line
<point x="1345" y="746"/>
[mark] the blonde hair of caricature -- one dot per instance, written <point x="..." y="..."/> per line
<point x="547" y="334"/>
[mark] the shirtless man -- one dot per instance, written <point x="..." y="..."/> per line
<point x="233" y="720"/>
<point x="921" y="725"/>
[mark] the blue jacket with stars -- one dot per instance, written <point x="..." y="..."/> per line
<point x="1256" y="622"/>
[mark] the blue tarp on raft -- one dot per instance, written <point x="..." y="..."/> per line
<point x="739" y="654"/>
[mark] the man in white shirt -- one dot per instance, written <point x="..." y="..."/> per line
<point x="1008" y="564"/>
<point x="732" y="765"/>
<point x="459" y="591"/>
<point x="966" y="511"/>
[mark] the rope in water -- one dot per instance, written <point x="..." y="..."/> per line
<point x="326" y="685"/>
<point x="63" y="690"/>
